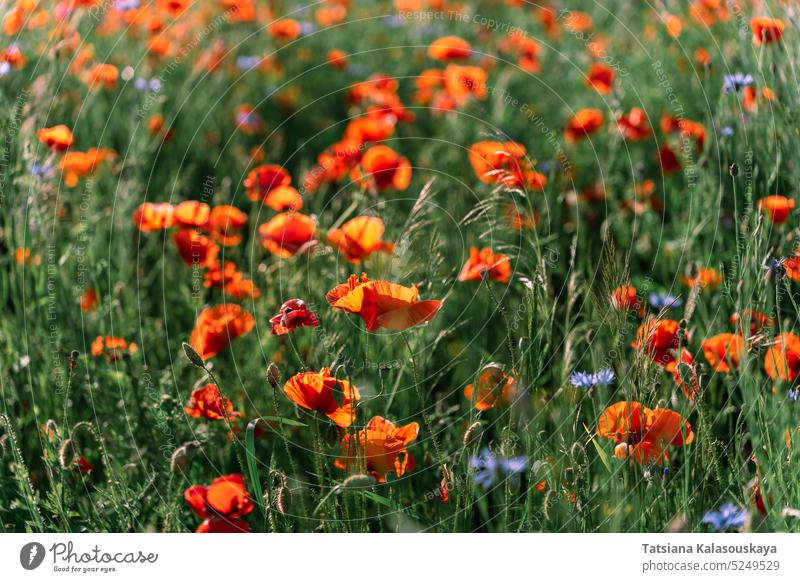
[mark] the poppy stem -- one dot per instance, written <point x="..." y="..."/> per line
<point x="425" y="418"/>
<point x="504" y="316"/>
<point x="228" y="421"/>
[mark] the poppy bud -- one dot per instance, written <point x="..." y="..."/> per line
<point x="193" y="356"/>
<point x="182" y="456"/>
<point x="73" y="359"/>
<point x="64" y="454"/>
<point x="621" y="451"/>
<point x="733" y="169"/>
<point x="273" y="375"/>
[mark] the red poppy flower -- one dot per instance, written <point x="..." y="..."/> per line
<point x="293" y="314"/>
<point x="704" y="278"/>
<point x="758" y="320"/>
<point x="686" y="128"/>
<point x="74" y="164"/>
<point x="58" y="137"/>
<point x="782" y="361"/>
<point x="264" y="179"/>
<point x="383" y="446"/>
<point x="721" y="348"/>
<point x="383" y="168"/>
<point x="461" y="83"/>
<point x="485" y="263"/>
<point x="685" y="375"/>
<point x="360" y="237"/>
<point x="114" y="348"/>
<point x="634" y="125"/>
<point x="225" y="224"/>
<point x="658" y="338"/>
<point x="584" y="123"/>
<point x="600" y="78"/>
<point x="624" y="297"/>
<point x="766" y="30"/>
<point x="449" y="48"/>
<point x="207" y="402"/>
<point x="285" y="234"/>
<point x="494" y="387"/>
<point x="316" y="391"/>
<point x="777" y="208"/>
<point x="218" y="326"/>
<point x="192" y="213"/>
<point x="195" y="248"/>
<point x="89" y="300"/>
<point x="504" y="163"/>
<point x="222" y="504"/>
<point x="643" y="434"/>
<point x="382" y="304"/>
<point x="284" y="30"/>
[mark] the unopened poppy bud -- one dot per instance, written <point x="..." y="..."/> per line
<point x="64" y="458"/>
<point x="733" y="169"/>
<point x="273" y="375"/>
<point x="473" y="433"/>
<point x="621" y="451"/>
<point x="193" y="356"/>
<point x="73" y="359"/>
<point x="182" y="456"/>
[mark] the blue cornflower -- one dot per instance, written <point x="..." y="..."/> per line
<point x="661" y="300"/>
<point x="123" y="5"/>
<point x="728" y="516"/>
<point x="490" y="468"/>
<point x="307" y="27"/>
<point x="246" y="62"/>
<point x="547" y="166"/>
<point x="726" y="131"/>
<point x="736" y="82"/>
<point x="42" y="170"/>
<point x="5" y="68"/>
<point x="602" y="377"/>
<point x="142" y="84"/>
<point x="793" y="395"/>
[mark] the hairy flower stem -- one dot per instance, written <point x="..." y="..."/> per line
<point x="425" y="418"/>
<point x="236" y="447"/>
<point x="286" y="447"/>
<point x="504" y="316"/>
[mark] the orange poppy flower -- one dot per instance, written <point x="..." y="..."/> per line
<point x="192" y="213"/>
<point x="504" y="163"/>
<point x="293" y="314"/>
<point x="225" y="224"/>
<point x="315" y="391"/>
<point x="114" y="348"/>
<point x="287" y="233"/>
<point x="364" y="129"/>
<point x="721" y="348"/>
<point x="624" y="297"/>
<point x="101" y="74"/>
<point x="154" y="216"/>
<point x="686" y="128"/>
<point x="284" y="30"/>
<point x="758" y="320"/>
<point x="449" y="48"/>
<point x="263" y="179"/>
<point x="382" y="447"/>
<point x="207" y="402"/>
<point x="382" y="304"/>
<point x="222" y="505"/>
<point x="383" y="168"/>
<point x="642" y="433"/>
<point x="89" y="300"/>
<point x="685" y="375"/>
<point x="782" y="361"/>
<point x="601" y="78"/>
<point x="360" y="237"/>
<point x="494" y="387"/>
<point x="658" y="338"/>
<point x="218" y="326"/>
<point x="633" y="125"/>
<point x="195" y="248"/>
<point x="705" y="278"/>
<point x="584" y="123"/>
<point x="485" y="263"/>
<point x="336" y="58"/>
<point x="284" y="198"/>
<point x="766" y="30"/>
<point x="777" y="208"/>
<point x="462" y="82"/>
<point x="58" y="137"/>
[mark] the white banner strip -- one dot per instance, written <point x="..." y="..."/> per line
<point x="401" y="557"/>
